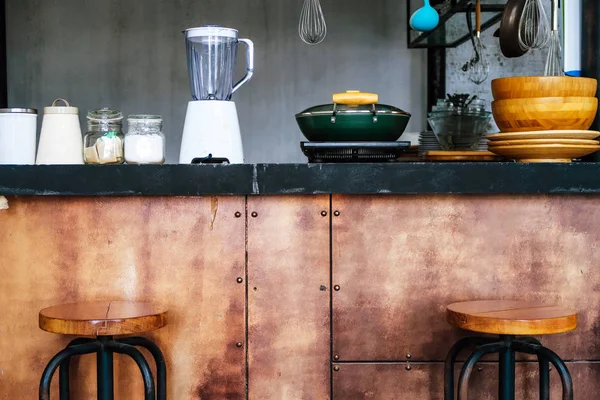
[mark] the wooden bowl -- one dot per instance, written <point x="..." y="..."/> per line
<point x="545" y="152"/>
<point x="526" y="87"/>
<point x="543" y="114"/>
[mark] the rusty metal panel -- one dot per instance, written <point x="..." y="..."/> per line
<point x="288" y="297"/>
<point x="400" y="260"/>
<point x="186" y="253"/>
<point x="426" y="381"/>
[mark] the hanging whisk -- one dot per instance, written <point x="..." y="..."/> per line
<point x="554" y="65"/>
<point x="534" y="28"/>
<point x="480" y="68"/>
<point x="312" y="27"/>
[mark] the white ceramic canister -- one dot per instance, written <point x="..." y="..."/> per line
<point x="61" y="141"/>
<point x="18" y="128"/>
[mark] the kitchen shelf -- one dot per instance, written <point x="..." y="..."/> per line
<point x="452" y="30"/>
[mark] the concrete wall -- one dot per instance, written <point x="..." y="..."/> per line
<point x="130" y="54"/>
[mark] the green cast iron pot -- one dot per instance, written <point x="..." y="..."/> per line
<point x="379" y="123"/>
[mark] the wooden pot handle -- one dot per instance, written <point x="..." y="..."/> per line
<point x="355" y="98"/>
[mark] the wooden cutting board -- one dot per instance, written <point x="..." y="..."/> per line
<point x="461" y="156"/>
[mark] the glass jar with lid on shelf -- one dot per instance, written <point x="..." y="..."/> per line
<point x="103" y="142"/>
<point x="144" y="140"/>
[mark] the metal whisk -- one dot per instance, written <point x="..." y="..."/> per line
<point x="480" y="68"/>
<point x="534" y="28"/>
<point x="312" y="27"/>
<point x="554" y="65"/>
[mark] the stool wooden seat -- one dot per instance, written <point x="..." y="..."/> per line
<point x="514" y="322"/>
<point x="508" y="317"/>
<point x="105" y="321"/>
<point x="103" y="318"/>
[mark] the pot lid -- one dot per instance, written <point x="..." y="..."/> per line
<point x="353" y="102"/>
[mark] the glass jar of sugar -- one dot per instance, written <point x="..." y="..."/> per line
<point x="103" y="142"/>
<point x="145" y="141"/>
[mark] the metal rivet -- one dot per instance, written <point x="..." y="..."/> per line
<point x="238" y="214"/>
<point x="323" y="213"/>
<point x="239" y="344"/>
<point x="409" y="356"/>
<point x="336" y="357"/>
<point x="408" y="367"/>
<point x="479" y="369"/>
<point x="336" y="213"/>
<point x="337" y="288"/>
<point x="240" y="280"/>
<point x="254" y="214"/>
<point x="336" y="368"/>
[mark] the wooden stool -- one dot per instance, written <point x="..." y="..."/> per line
<point x="508" y="319"/>
<point x="103" y="320"/>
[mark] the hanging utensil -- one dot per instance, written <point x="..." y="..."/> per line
<point x="509" y="29"/>
<point x="534" y="28"/>
<point x="479" y="71"/>
<point x="425" y="18"/>
<point x="472" y="60"/>
<point x="554" y="66"/>
<point x="312" y="27"/>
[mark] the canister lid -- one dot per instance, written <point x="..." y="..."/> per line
<point x="145" y="118"/>
<point x="211" y="30"/>
<point x="105" y="115"/>
<point x="18" y="111"/>
<point x="66" y="109"/>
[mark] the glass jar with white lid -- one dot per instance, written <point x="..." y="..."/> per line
<point x="144" y="140"/>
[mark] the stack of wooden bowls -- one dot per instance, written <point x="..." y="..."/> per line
<point x="544" y="118"/>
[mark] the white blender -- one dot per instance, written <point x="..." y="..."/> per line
<point x="211" y="123"/>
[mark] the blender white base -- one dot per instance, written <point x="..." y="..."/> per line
<point x="211" y="127"/>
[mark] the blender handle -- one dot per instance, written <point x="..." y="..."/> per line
<point x="249" y="63"/>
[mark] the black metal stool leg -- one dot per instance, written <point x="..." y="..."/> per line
<point x="465" y="373"/>
<point x="561" y="368"/>
<point x="105" y="370"/>
<point x="159" y="359"/>
<point x="544" y="369"/>
<point x="58" y="359"/>
<point x="506" y="384"/>
<point x="141" y="362"/>
<point x="63" y="371"/>
<point x="458" y="347"/>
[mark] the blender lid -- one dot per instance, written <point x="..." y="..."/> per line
<point x="211" y="30"/>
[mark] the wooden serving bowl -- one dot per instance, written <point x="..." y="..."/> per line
<point x="527" y="87"/>
<point x="543" y="114"/>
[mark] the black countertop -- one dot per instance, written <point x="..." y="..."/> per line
<point x="281" y="179"/>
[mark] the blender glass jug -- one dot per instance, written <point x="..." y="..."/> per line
<point x="212" y="53"/>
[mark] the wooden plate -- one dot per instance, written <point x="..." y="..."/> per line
<point x="523" y="142"/>
<point x="460" y="156"/>
<point x="571" y="134"/>
<point x="544" y="152"/>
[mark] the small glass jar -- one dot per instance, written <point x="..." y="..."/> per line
<point x="103" y="142"/>
<point x="145" y="141"/>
